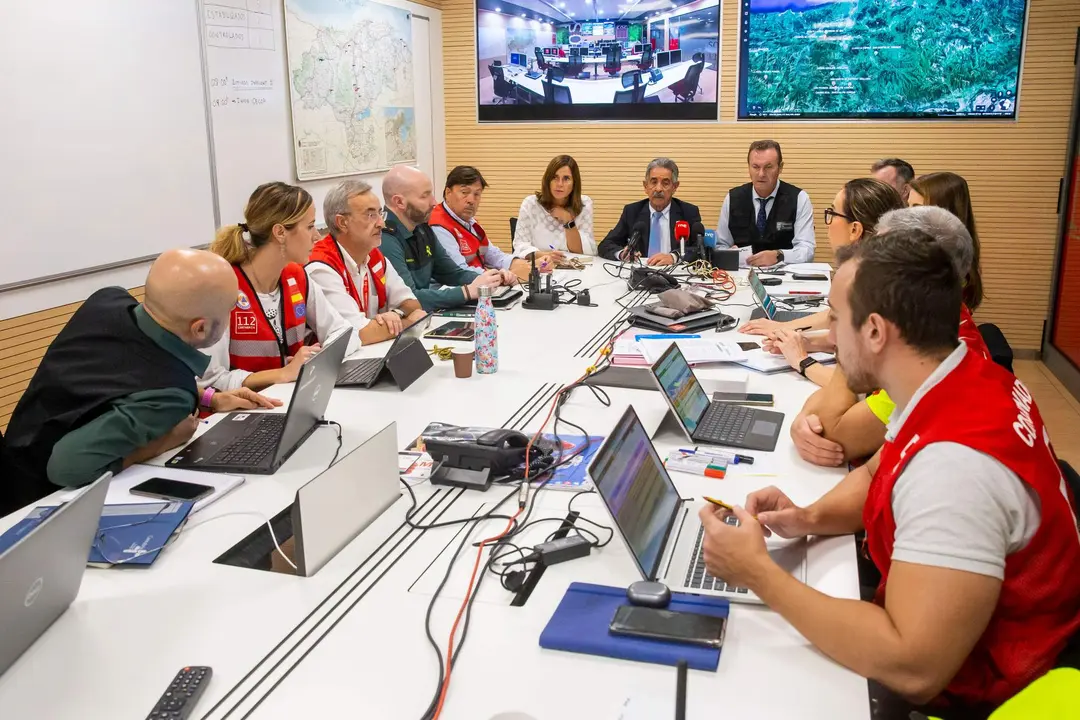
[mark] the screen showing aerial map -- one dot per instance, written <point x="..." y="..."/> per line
<point x="880" y="58"/>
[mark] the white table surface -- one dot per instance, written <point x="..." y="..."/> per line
<point x="600" y="90"/>
<point x="128" y="632"/>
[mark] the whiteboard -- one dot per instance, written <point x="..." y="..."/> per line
<point x="247" y="71"/>
<point x="103" y="134"/>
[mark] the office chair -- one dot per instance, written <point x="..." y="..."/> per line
<point x="687" y="88"/>
<point x="556" y="94"/>
<point x="540" y="61"/>
<point x="613" y="60"/>
<point x="646" y="60"/>
<point x="555" y="73"/>
<point x="698" y="57"/>
<point x="504" y="89"/>
<point x="513" y="228"/>
<point x="1000" y="350"/>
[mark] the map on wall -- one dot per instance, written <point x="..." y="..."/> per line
<point x="351" y="86"/>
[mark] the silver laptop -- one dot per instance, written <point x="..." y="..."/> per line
<point x="661" y="529"/>
<point x="768" y="305"/>
<point x="40" y="574"/>
<point x="334" y="507"/>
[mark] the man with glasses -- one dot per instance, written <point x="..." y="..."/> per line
<point x="351" y="270"/>
<point x="775" y="219"/>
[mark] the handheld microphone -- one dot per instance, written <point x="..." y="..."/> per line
<point x="682" y="233"/>
<point x="640" y="229"/>
<point x="699" y="240"/>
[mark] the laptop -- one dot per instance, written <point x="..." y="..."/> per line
<point x="259" y="443"/>
<point x="768" y="305"/>
<point x="336" y="506"/>
<point x="40" y="574"/>
<point x="660" y="528"/>
<point x="710" y="422"/>
<point x="405" y="361"/>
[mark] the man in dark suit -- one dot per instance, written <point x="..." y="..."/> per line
<point x="657" y="215"/>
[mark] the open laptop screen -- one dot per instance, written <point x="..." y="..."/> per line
<point x="762" y="295"/>
<point x="637" y="490"/>
<point x="681" y="387"/>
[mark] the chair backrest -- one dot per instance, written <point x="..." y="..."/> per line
<point x="693" y="75"/>
<point x="496" y="62"/>
<point x="562" y="95"/>
<point x="631" y="78"/>
<point x="646" y="54"/>
<point x="624" y="97"/>
<point x="555" y="73"/>
<point x="639" y="93"/>
<point x="540" y="62"/>
<point x="1000" y="350"/>
<point x="698" y="57"/>
<point x="513" y="228"/>
<point x="611" y="55"/>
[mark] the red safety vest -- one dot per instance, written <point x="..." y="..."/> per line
<point x="983" y="407"/>
<point x="328" y="252"/>
<point x="469" y="241"/>
<point x="969" y="333"/>
<point x="253" y="345"/>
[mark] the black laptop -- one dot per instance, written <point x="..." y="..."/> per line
<point x="405" y="361"/>
<point x="259" y="443"/>
<point x="768" y="305"/>
<point x="710" y="422"/>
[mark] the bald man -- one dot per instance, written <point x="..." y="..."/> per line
<point x="117" y="385"/>
<point x="412" y="248"/>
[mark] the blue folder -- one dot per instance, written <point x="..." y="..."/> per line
<point x="580" y="624"/>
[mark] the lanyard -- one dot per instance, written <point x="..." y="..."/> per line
<point x="364" y="295"/>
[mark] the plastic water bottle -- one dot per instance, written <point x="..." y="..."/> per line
<point x="486" y="334"/>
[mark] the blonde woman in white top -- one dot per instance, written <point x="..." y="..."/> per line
<point x="557" y="219"/>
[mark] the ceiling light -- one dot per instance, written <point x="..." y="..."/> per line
<point x="524" y="15"/>
<point x="498" y="9"/>
<point x="570" y="14"/>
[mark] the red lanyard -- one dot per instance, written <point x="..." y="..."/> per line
<point x="364" y="295"/>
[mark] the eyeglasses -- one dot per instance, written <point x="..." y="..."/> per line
<point x="371" y="215"/>
<point x="830" y="214"/>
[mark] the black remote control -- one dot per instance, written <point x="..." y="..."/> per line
<point x="182" y="694"/>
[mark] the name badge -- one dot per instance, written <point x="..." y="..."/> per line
<point x="782" y="226"/>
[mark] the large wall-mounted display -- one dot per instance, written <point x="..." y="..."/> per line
<point x="880" y="58"/>
<point x="577" y="60"/>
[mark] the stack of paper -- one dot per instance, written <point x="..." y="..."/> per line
<point x="696" y="350"/>
<point x="627" y="351"/>
<point x="765" y="362"/>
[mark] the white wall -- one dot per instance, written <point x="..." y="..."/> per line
<point x="431" y="157"/>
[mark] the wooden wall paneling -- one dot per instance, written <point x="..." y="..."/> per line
<point x="1012" y="167"/>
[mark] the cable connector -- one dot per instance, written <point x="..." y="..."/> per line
<point x="558" y="551"/>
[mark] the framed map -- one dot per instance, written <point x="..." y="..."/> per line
<point x="351" y="86"/>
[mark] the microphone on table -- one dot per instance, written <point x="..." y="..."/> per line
<point x="699" y="240"/>
<point x="640" y="229"/>
<point x="682" y="234"/>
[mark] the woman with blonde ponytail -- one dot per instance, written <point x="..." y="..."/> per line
<point x="276" y="305"/>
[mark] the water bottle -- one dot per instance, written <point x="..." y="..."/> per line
<point x="485" y="336"/>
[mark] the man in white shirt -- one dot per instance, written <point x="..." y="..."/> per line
<point x="773" y="218"/>
<point x="351" y="270"/>
<point x="455" y="226"/>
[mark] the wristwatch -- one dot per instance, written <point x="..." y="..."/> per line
<point x="399" y="312"/>
<point x="779" y="256"/>
<point x="805" y="363"/>
<point x="570" y="225"/>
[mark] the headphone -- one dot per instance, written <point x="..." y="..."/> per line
<point x="652" y="280"/>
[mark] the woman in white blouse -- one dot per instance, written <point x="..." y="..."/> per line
<point x="557" y="218"/>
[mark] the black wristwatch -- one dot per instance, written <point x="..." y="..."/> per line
<point x="570" y="225"/>
<point x="805" y="363"/>
<point x="779" y="256"/>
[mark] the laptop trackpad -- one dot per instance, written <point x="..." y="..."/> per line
<point x="790" y="555"/>
<point x="765" y="428"/>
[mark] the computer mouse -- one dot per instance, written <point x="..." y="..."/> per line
<point x="646" y="593"/>
<point x="771" y="281"/>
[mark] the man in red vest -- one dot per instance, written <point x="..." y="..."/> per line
<point x="351" y="270"/>
<point x="465" y="241"/>
<point x="967" y="514"/>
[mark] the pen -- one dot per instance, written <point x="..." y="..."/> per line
<point x="719" y="503"/>
<point x="802" y="328"/>
<point x="804" y="292"/>
<point x="666" y="337"/>
<point x="734" y="457"/>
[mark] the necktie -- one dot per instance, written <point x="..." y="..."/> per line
<point x="762" y="215"/>
<point x="656" y="234"/>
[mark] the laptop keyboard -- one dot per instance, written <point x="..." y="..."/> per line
<point x="698" y="578"/>
<point x="251" y="449"/>
<point x="362" y="372"/>
<point x="725" y="424"/>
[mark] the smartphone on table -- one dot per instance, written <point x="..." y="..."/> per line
<point x="761" y="399"/>
<point x="670" y="625"/>
<point x="172" y="489"/>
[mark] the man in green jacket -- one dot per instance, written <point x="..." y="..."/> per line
<point x="414" y="251"/>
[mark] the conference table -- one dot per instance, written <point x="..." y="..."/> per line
<point x="595" y="60"/>
<point x="597" y="91"/>
<point x="350" y="641"/>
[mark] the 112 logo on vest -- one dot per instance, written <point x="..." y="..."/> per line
<point x="1024" y="426"/>
<point x="242" y="301"/>
<point x="245" y="324"/>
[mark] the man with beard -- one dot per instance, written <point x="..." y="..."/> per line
<point x="117" y="385"/>
<point x="656" y="215"/>
<point x="351" y="270"/>
<point x="967" y="515"/>
<point x="416" y="254"/>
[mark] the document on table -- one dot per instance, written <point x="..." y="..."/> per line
<point x="120" y="486"/>
<point x="697" y="351"/>
<point x="765" y="362"/>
